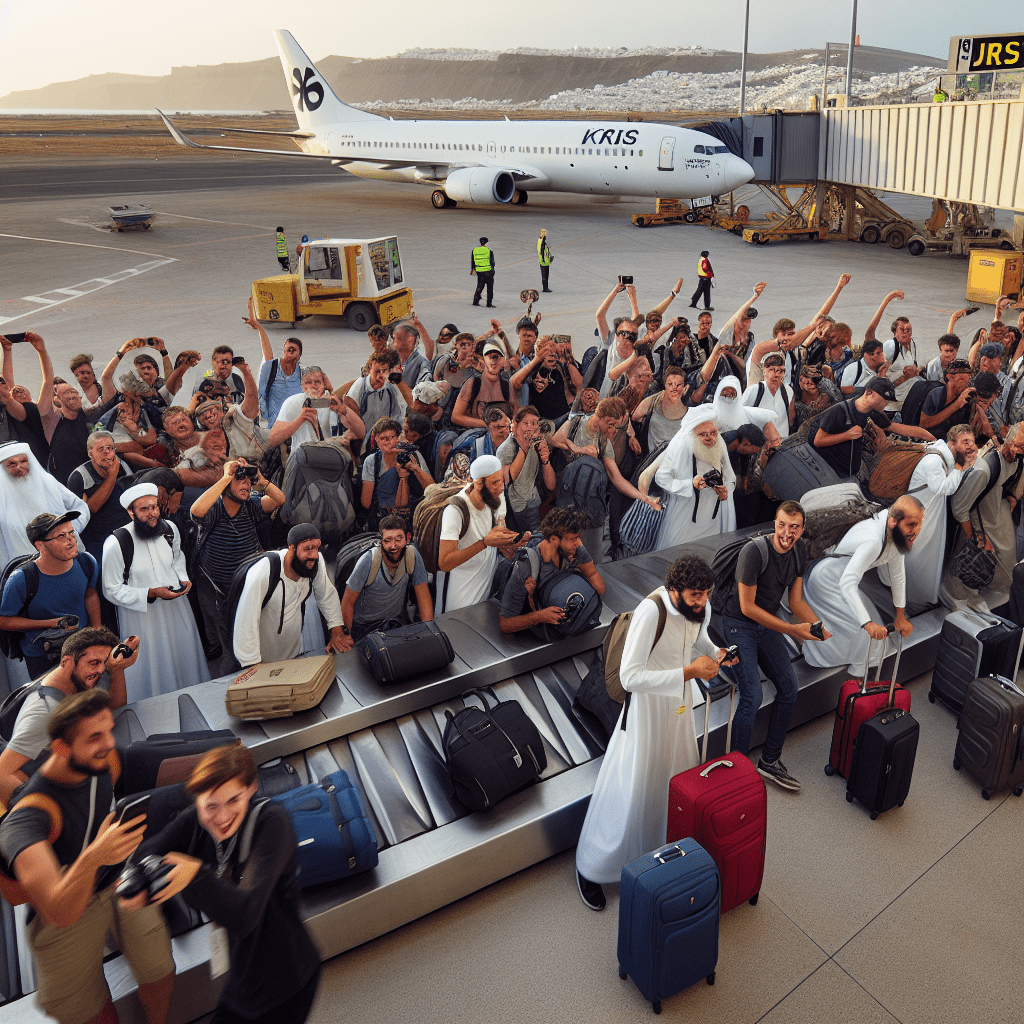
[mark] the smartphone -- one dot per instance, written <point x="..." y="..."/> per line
<point x="562" y="339"/>
<point x="319" y="403"/>
<point x="16" y="339"/>
<point x="625" y="278"/>
<point x="731" y="652"/>
<point x="238" y="360"/>
<point x="818" y="630"/>
<point x="129" y="807"/>
<point x="971" y="309"/>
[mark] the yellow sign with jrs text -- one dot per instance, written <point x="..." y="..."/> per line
<point x="990" y="53"/>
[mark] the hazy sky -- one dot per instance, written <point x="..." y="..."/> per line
<point x="44" y="41"/>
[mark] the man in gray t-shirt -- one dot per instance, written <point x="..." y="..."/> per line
<point x="376" y="590"/>
<point x="525" y="459"/>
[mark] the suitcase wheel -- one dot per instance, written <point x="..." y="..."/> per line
<point x="656" y="1006"/>
<point x="956" y="765"/>
<point x="710" y="979"/>
<point x="986" y="794"/>
<point x="849" y="798"/>
<point x="622" y="974"/>
<point x="753" y="899"/>
<point x="931" y="697"/>
<point x="1018" y="790"/>
<point x="829" y="770"/>
<point x="874" y="815"/>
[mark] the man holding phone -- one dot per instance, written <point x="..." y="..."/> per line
<point x="220" y="381"/>
<point x="144" y="576"/>
<point x="314" y="415"/>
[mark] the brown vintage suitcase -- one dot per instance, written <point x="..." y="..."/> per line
<point x="281" y="688"/>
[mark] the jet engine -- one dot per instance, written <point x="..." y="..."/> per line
<point x="480" y="185"/>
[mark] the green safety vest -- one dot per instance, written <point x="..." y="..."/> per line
<point x="482" y="259"/>
<point x="282" y="246"/>
<point x="543" y="252"/>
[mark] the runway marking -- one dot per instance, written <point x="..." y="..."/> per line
<point x="206" y="220"/>
<point x="87" y="245"/>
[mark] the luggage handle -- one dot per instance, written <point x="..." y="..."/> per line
<point x="891" y="628"/>
<point x="718" y="764"/>
<point x="713" y="692"/>
<point x="668" y="853"/>
<point x="517" y="758"/>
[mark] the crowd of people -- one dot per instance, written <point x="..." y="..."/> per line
<point x="131" y="510"/>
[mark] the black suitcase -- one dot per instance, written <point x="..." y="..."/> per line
<point x="407" y="651"/>
<point x="167" y="758"/>
<point x="990" y="744"/>
<point x="491" y="752"/>
<point x="791" y="472"/>
<point x="883" y="758"/>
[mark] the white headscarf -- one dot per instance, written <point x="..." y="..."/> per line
<point x="675" y="474"/>
<point x="23" y="499"/>
<point x="730" y="414"/>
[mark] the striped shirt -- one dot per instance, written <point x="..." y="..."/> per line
<point x="228" y="540"/>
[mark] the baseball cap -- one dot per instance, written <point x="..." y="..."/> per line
<point x="958" y="366"/>
<point x="493" y="346"/>
<point x="883" y="387"/>
<point x="43" y="524"/>
<point x="993" y="350"/>
<point x="987" y="384"/>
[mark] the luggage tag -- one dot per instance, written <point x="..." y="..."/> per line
<point x="220" y="956"/>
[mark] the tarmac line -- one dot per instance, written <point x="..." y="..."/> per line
<point x="206" y="220"/>
<point x="87" y="245"/>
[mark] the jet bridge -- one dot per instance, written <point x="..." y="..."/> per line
<point x="433" y="851"/>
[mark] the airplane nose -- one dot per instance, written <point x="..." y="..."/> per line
<point x="736" y="172"/>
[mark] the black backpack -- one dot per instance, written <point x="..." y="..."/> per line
<point x="126" y="542"/>
<point x="584" y="486"/>
<point x="11" y="707"/>
<point x="913" y="404"/>
<point x="723" y="567"/>
<point x="10" y="639"/>
<point x="238" y="583"/>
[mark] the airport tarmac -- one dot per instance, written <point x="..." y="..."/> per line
<point x="86" y="288"/>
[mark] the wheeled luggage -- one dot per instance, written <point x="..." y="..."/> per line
<point x="279" y="689"/>
<point x="669" y="912"/>
<point x="791" y="472"/>
<point x="335" y="837"/>
<point x="972" y="644"/>
<point x="165" y="759"/>
<point x="857" y="703"/>
<point x="883" y="758"/>
<point x="491" y="752"/>
<point x="990" y="744"/>
<point x="722" y="803"/>
<point x="406" y="651"/>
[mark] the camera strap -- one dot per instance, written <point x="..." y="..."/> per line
<point x="696" y="501"/>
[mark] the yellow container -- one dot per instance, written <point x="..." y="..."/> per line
<point x="994" y="272"/>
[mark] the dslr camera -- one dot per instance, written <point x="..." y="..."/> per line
<point x="713" y="478"/>
<point x="149" y="875"/>
<point x="406" y="453"/>
<point x="246" y="472"/>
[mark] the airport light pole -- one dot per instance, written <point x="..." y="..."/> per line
<point x="743" y="62"/>
<point x="849" y="52"/>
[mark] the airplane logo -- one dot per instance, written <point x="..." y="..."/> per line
<point x="308" y="94"/>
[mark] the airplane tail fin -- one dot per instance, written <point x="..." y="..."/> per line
<point x="314" y="100"/>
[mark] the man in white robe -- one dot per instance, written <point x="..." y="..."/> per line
<point x="628" y="813"/>
<point x="832" y="585"/>
<point x="935" y="478"/>
<point x="275" y="632"/>
<point x="149" y="603"/>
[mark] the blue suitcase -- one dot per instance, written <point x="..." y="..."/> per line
<point x="669" y="909"/>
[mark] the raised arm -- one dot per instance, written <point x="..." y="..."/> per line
<point x="869" y="333"/>
<point x="827" y="305"/>
<point x="601" y="316"/>
<point x="667" y="301"/>
<point x="266" y="348"/>
<point x="730" y="323"/>
<point x="45" y="400"/>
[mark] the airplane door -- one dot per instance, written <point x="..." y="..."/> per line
<point x="668" y="146"/>
<point x="491" y="149"/>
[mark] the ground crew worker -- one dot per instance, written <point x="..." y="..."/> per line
<point x="482" y="264"/>
<point x="282" y="251"/>
<point x="940" y="95"/>
<point x="704" y="276"/>
<point x="545" y="257"/>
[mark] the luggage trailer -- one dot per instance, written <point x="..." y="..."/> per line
<point x="388" y="738"/>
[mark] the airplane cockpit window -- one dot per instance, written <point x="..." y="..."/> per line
<point x="721" y="149"/>
<point x="698" y="149"/>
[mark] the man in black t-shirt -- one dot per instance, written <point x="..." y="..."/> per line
<point x="69" y="879"/>
<point x="767" y="568"/>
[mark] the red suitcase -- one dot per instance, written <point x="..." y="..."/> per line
<point x="722" y="804"/>
<point x="857" y="703"/>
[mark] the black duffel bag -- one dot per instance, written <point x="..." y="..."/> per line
<point x="492" y="751"/>
<point x="165" y="759"/>
<point x="406" y="651"/>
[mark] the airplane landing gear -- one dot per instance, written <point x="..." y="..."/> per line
<point x="520" y="197"/>
<point x="440" y="200"/>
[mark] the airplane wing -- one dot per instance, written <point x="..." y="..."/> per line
<point x="182" y="140"/>
<point x="299" y="134"/>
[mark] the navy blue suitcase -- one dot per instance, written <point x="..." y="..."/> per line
<point x="335" y="838"/>
<point x="669" y="910"/>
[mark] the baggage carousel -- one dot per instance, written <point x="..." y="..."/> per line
<point x="433" y="850"/>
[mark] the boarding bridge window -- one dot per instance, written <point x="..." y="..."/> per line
<point x="758" y="145"/>
<point x="325" y="263"/>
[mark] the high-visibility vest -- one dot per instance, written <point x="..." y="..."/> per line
<point x="704" y="267"/>
<point x="282" y="247"/>
<point x="543" y="252"/>
<point x="482" y="259"/>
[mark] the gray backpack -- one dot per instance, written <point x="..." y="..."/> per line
<point x="584" y="486"/>
<point x="318" y="490"/>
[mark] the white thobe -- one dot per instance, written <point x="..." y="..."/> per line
<point x="934" y="479"/>
<point x="170" y="652"/>
<point x="679" y="525"/>
<point x="282" y="630"/>
<point x="628" y="813"/>
<point x="832" y="589"/>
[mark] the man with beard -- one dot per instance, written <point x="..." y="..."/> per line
<point x="472" y="529"/>
<point x="144" y="576"/>
<point x="983" y="506"/>
<point x="377" y="589"/>
<point x="834" y="585"/>
<point x="666" y="646"/>
<point x="766" y="568"/>
<point x="268" y="624"/>
<point x="83" y="660"/>
<point x="69" y="873"/>
<point x="229" y="516"/>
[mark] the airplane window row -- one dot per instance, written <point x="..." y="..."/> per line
<point x="557" y="150"/>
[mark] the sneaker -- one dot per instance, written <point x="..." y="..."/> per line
<point x="590" y="892"/>
<point x="709" y="309"/>
<point x="777" y="773"/>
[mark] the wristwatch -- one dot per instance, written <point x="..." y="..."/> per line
<point x="345" y="630"/>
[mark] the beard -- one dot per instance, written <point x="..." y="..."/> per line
<point x="489" y="499"/>
<point x="305" y="571"/>
<point x="87" y="769"/>
<point x="396" y="559"/>
<point x="901" y="542"/>
<point x="959" y="459"/>
<point x="149" y="532"/>
<point x="688" y="611"/>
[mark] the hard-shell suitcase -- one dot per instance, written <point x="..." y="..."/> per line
<point x="991" y="740"/>
<point x="722" y="803"/>
<point x="791" y="472"/>
<point x="279" y="689"/>
<point x="883" y="758"/>
<point x="669" y="912"/>
<point x="857" y="703"/>
<point x="406" y="651"/>
<point x="972" y="644"/>
<point x="165" y="759"/>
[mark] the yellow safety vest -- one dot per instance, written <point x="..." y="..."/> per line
<point x="543" y="252"/>
<point x="701" y="272"/>
<point x="482" y="259"/>
<point x="282" y="246"/>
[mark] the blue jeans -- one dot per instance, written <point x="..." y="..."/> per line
<point x="750" y="638"/>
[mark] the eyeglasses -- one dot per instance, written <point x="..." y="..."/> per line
<point x="60" y="536"/>
<point x="631" y="335"/>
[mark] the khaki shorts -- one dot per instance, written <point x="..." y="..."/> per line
<point x="69" y="961"/>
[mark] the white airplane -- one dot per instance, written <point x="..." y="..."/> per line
<point x="496" y="161"/>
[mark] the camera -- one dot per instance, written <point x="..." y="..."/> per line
<point x="246" y="472"/>
<point x="713" y="478"/>
<point x="121" y="651"/>
<point x="395" y="376"/>
<point x="731" y="652"/>
<point x="625" y="278"/>
<point x="818" y="630"/>
<point x="317" y="403"/>
<point x="406" y="453"/>
<point x="536" y="444"/>
<point x="150" y="875"/>
<point x="237" y="360"/>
